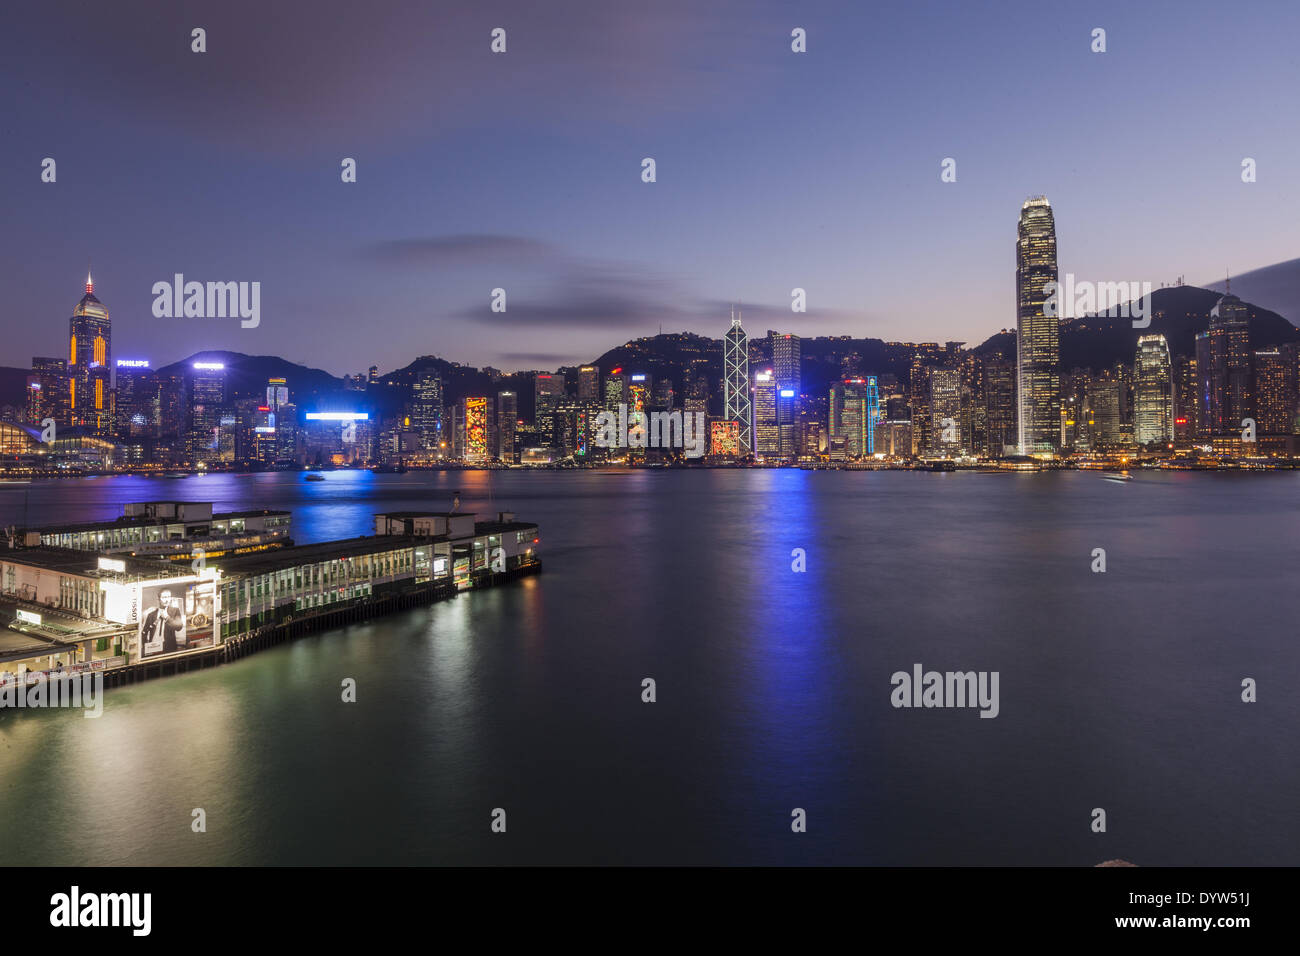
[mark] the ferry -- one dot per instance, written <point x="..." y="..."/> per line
<point x="313" y="476"/>
<point x="1117" y="476"/>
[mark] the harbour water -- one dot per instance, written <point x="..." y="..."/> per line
<point x="1119" y="690"/>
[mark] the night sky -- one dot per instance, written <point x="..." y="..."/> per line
<point x="523" y="170"/>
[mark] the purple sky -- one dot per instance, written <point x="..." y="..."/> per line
<point x="522" y="171"/>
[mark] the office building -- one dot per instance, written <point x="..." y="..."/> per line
<point x="1037" y="331"/>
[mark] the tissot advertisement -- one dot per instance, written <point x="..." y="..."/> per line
<point x="175" y="617"/>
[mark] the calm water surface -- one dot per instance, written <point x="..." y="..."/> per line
<point x="1118" y="690"/>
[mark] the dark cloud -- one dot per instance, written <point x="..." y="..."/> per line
<point x="590" y="296"/>
<point x="546" y="360"/>
<point x="588" y="293"/>
<point x="291" y="76"/>
<point x="1275" y="287"/>
<point x="469" y="249"/>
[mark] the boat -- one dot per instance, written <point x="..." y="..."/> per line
<point x="313" y="476"/>
<point x="1117" y="476"/>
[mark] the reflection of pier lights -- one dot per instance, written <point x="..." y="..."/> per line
<point x="872" y="413"/>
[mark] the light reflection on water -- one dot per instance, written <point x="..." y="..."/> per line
<point x="1118" y="690"/>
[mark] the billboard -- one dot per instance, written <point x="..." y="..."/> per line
<point x="476" y="429"/>
<point x="176" y="616"/>
<point x="725" y="439"/>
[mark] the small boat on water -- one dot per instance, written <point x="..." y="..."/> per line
<point x="313" y="476"/>
<point x="1117" y="476"/>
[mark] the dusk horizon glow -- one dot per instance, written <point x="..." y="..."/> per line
<point x="774" y="171"/>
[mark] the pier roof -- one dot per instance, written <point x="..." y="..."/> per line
<point x="134" y="521"/>
<point x="496" y="527"/>
<point x="424" y="514"/>
<point x="283" y="558"/>
<point x="84" y="563"/>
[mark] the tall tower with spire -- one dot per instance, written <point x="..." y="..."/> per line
<point x="735" y="383"/>
<point x="90" y="355"/>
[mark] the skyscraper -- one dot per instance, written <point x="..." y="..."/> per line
<point x="547" y="391"/>
<point x="427" y="410"/>
<point x="1223" y="369"/>
<point x="767" y="440"/>
<point x="1153" y="392"/>
<point x="615" y="390"/>
<point x="90" y="356"/>
<point x="507" y="419"/>
<point x="1000" y="406"/>
<point x="786" y="371"/>
<point x="854" y="411"/>
<point x="589" y="384"/>
<point x="206" y="407"/>
<point x="786" y="351"/>
<point x="473" y="428"/>
<point x="135" y="399"/>
<point x="736" y="405"/>
<point x="945" y="413"/>
<point x="1232" y="356"/>
<point x="1037" y="333"/>
<point x="278" y="444"/>
<point x="1185" y="404"/>
<point x="1275" y="392"/>
<point x="48" y="391"/>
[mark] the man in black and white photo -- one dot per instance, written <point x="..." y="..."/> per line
<point x="163" y="629"/>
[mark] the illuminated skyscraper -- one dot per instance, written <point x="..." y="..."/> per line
<point x="90" y="356"/>
<point x="1037" y="334"/>
<point x="548" y="390"/>
<point x="736" y="406"/>
<point x="1103" y="408"/>
<point x="1230" y="339"/>
<point x="1153" y="392"/>
<point x="786" y="351"/>
<point x="207" y="399"/>
<point x="48" y="391"/>
<point x="615" y="390"/>
<point x="786" y="370"/>
<point x="427" y="410"/>
<point x="946" y="413"/>
<point x="473" y="428"/>
<point x="767" y="440"/>
<point x="588" y="384"/>
<point x="1185" y="404"/>
<point x="1275" y="392"/>
<point x="854" y="411"/>
<point x="1000" y="407"/>
<point x="135" y="399"/>
<point x="507" y="420"/>
<point x="1223" y="369"/>
<point x="277" y="444"/>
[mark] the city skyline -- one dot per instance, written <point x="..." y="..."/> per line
<point x="558" y="215"/>
<point x="1284" y="282"/>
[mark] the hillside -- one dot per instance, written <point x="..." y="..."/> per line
<point x="1179" y="313"/>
